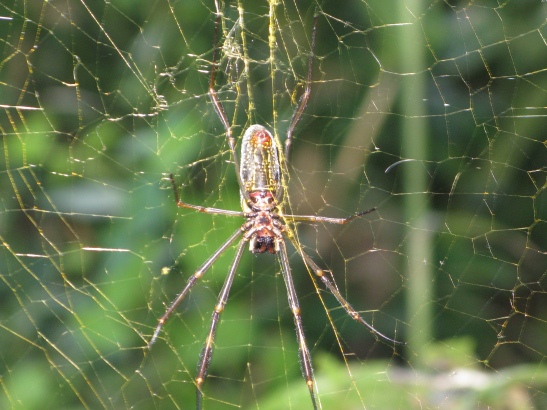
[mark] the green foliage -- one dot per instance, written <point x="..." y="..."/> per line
<point x="101" y="101"/>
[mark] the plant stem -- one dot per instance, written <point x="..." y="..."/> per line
<point x="415" y="134"/>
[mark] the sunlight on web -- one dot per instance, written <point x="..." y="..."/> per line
<point x="432" y="112"/>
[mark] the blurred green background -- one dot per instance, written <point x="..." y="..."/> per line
<point x="433" y="112"/>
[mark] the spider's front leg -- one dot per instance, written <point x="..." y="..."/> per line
<point x="332" y="288"/>
<point x="192" y="281"/>
<point x="207" y="351"/>
<point x="305" y="357"/>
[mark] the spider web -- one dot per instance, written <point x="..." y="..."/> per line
<point x="430" y="111"/>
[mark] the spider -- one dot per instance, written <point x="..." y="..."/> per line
<point x="260" y="179"/>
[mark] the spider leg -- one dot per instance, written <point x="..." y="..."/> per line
<point x="202" y="208"/>
<point x="305" y="97"/>
<point x="333" y="289"/>
<point x="305" y="357"/>
<point x="219" y="108"/>
<point x="207" y="351"/>
<point x="192" y="281"/>
<point x="313" y="218"/>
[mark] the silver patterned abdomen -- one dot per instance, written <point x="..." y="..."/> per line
<point x="260" y="170"/>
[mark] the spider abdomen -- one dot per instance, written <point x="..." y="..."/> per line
<point x="260" y="170"/>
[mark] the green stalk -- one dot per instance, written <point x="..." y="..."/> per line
<point x="415" y="134"/>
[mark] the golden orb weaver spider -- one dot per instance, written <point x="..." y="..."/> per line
<point x="260" y="179"/>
